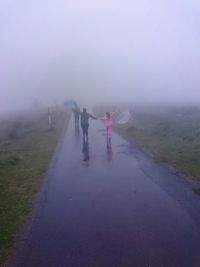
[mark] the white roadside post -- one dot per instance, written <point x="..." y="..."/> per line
<point x="50" y="119"/>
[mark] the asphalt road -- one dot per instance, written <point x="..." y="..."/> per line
<point x="110" y="208"/>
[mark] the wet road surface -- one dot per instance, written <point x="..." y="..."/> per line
<point x="102" y="207"/>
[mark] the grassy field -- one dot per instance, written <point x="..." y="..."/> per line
<point x="26" y="147"/>
<point x="172" y="135"/>
<point x="169" y="134"/>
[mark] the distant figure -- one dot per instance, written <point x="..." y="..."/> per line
<point x="85" y="122"/>
<point x="108" y="122"/>
<point x="76" y="111"/>
<point x="77" y="133"/>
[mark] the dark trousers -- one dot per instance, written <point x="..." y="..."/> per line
<point x="76" y="118"/>
<point x="85" y="129"/>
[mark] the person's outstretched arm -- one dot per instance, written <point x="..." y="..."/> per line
<point x="114" y="112"/>
<point x="92" y="117"/>
<point x="101" y="118"/>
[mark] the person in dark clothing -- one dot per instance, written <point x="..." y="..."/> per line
<point x="85" y="122"/>
<point x="76" y="111"/>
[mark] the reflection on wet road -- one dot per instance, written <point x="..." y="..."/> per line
<point x="111" y="206"/>
<point x="85" y="150"/>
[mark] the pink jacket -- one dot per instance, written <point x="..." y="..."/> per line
<point x="107" y="122"/>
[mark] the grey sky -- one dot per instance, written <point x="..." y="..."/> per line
<point x="99" y="50"/>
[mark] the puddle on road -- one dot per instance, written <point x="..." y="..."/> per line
<point x="196" y="191"/>
<point x="127" y="150"/>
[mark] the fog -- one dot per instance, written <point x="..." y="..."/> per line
<point x="98" y="51"/>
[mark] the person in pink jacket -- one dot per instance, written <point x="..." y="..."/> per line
<point x="108" y="122"/>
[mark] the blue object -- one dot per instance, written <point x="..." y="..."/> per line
<point x="69" y="103"/>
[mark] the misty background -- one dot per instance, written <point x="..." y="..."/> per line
<point x="99" y="51"/>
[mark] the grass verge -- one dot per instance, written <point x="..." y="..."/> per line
<point x="170" y="135"/>
<point x="24" y="156"/>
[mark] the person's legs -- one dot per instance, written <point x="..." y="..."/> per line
<point x="86" y="130"/>
<point x="76" y="121"/>
<point x="106" y="131"/>
<point x="75" y="118"/>
<point x="107" y="139"/>
<point x="83" y="130"/>
<point x="109" y="134"/>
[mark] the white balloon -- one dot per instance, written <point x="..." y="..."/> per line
<point x="123" y="117"/>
